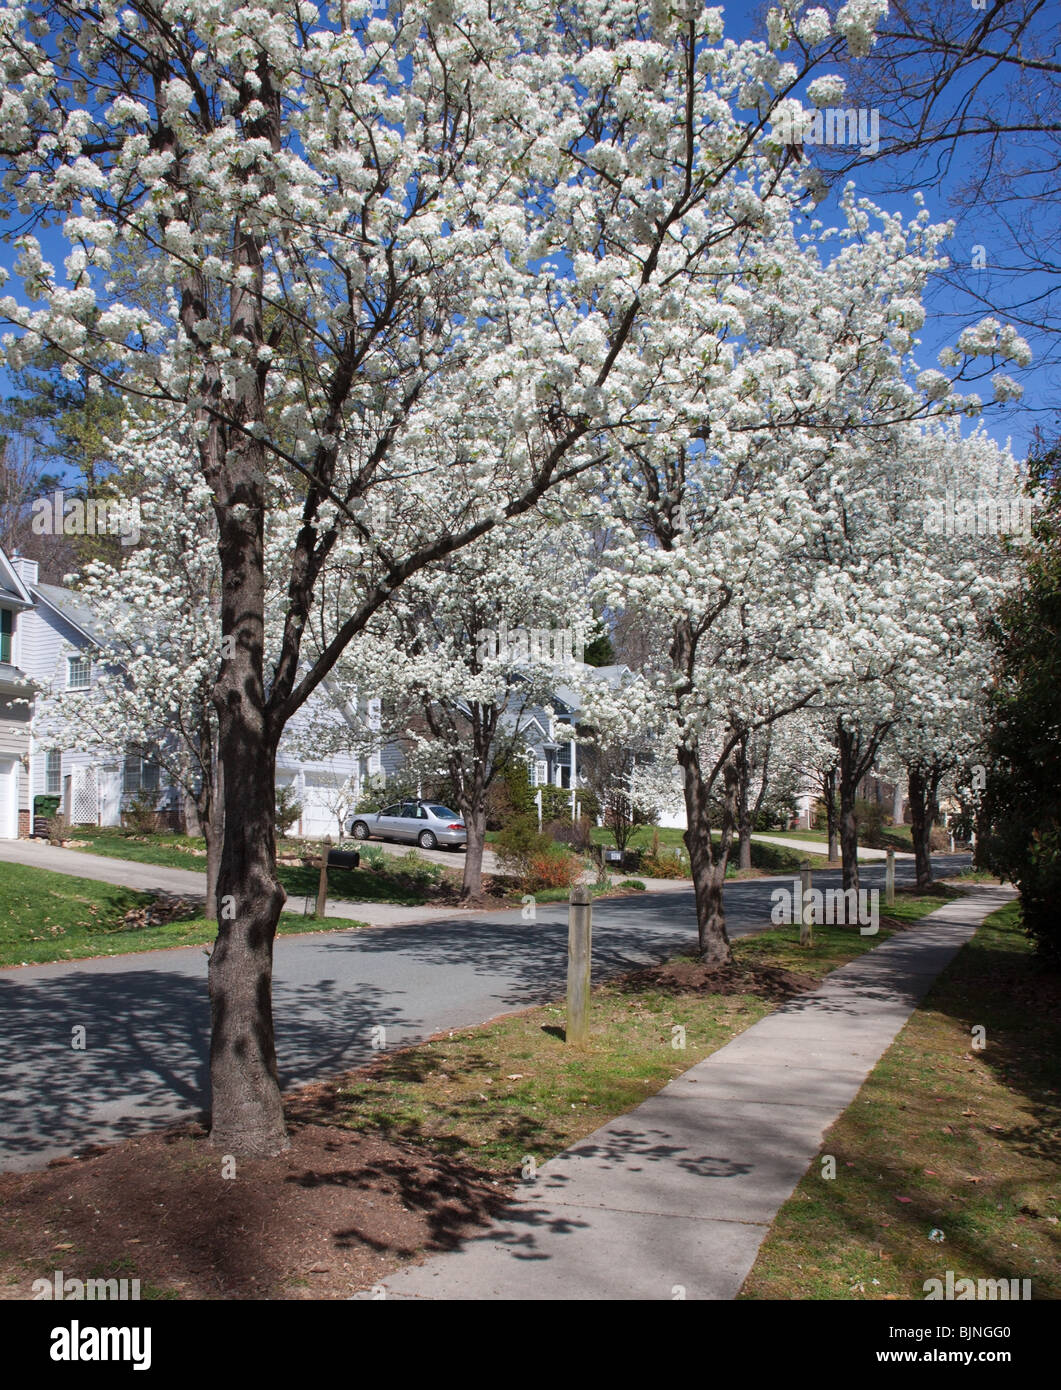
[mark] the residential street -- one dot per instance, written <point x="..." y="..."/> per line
<point x="146" y="1016"/>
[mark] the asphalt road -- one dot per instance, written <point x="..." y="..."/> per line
<point x="146" y="1017"/>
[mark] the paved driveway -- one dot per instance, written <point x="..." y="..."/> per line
<point x="146" y="1017"/>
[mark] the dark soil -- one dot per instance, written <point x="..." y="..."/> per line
<point x="332" y="1216"/>
<point x="693" y="977"/>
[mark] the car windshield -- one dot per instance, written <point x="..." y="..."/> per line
<point x="443" y="813"/>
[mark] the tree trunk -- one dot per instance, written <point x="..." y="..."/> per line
<point x="210" y="814"/>
<point x="897" y="804"/>
<point x="981" y="829"/>
<point x="745" y="844"/>
<point x="214" y="841"/>
<point x="708" y="867"/>
<point x="923" y="790"/>
<point x="744" y="815"/>
<point x="832" y="829"/>
<point x="475" y="822"/>
<point x="247" y="1115"/>
<point x="849" y="777"/>
<point x="919" y="828"/>
<point x="848" y="836"/>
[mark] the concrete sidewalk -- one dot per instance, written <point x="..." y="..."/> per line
<point x="680" y="1193"/>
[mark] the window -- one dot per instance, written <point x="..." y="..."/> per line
<point x="140" y="775"/>
<point x="53" y="772"/>
<point x="78" y="673"/>
<point x="7" y="628"/>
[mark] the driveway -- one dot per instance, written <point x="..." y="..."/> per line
<point x="146" y="1017"/>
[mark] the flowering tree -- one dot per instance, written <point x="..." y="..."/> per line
<point x="157" y="615"/>
<point x="468" y="652"/>
<point x="747" y="541"/>
<point x="456" y="251"/>
<point x="916" y="599"/>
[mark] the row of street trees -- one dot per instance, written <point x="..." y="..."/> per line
<point x="438" y="266"/>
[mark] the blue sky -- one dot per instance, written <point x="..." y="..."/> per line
<point x="949" y="310"/>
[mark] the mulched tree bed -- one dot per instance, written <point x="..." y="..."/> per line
<point x="330" y="1217"/>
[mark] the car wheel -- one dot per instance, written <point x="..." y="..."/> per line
<point x="426" y="840"/>
<point x="360" y="830"/>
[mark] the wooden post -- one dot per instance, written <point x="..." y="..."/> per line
<point x="579" y="955"/>
<point x="806" y="924"/>
<point x="889" y="878"/>
<point x="322" y="888"/>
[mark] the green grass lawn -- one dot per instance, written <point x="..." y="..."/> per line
<point x="948" y="1157"/>
<point x="510" y="1089"/>
<point x="168" y="851"/>
<point x="53" y="917"/>
<point x="390" y="882"/>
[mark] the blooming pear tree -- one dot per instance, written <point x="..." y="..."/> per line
<point x="471" y="650"/>
<point x="157" y="616"/>
<point x="914" y="604"/>
<point x="739" y="539"/>
<point x="460" y="250"/>
<point x="944" y="738"/>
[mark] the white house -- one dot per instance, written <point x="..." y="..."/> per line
<point x="16" y="703"/>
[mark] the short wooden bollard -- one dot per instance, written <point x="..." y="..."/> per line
<point x="579" y="955"/>
<point x="889" y="878"/>
<point x="806" y="912"/>
<point x="322" y="887"/>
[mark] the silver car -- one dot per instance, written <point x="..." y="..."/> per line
<point x="423" y="823"/>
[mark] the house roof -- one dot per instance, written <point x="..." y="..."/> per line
<point x="612" y="675"/>
<point x="11" y="586"/>
<point x="72" y="607"/>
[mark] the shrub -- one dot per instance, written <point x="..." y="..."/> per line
<point x="45" y="806"/>
<point x="556" y="804"/>
<point x="141" y="813"/>
<point x="633" y="883"/>
<point x="531" y="856"/>
<point x="288" y="809"/>
<point x="552" y="870"/>
<point x="578" y="834"/>
<point x="519" y="794"/>
<point x="57" y="829"/>
<point x="667" y="863"/>
<point x="869" y="817"/>
<point x="938" y="839"/>
<point x="419" y="870"/>
<point x="518" y="843"/>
